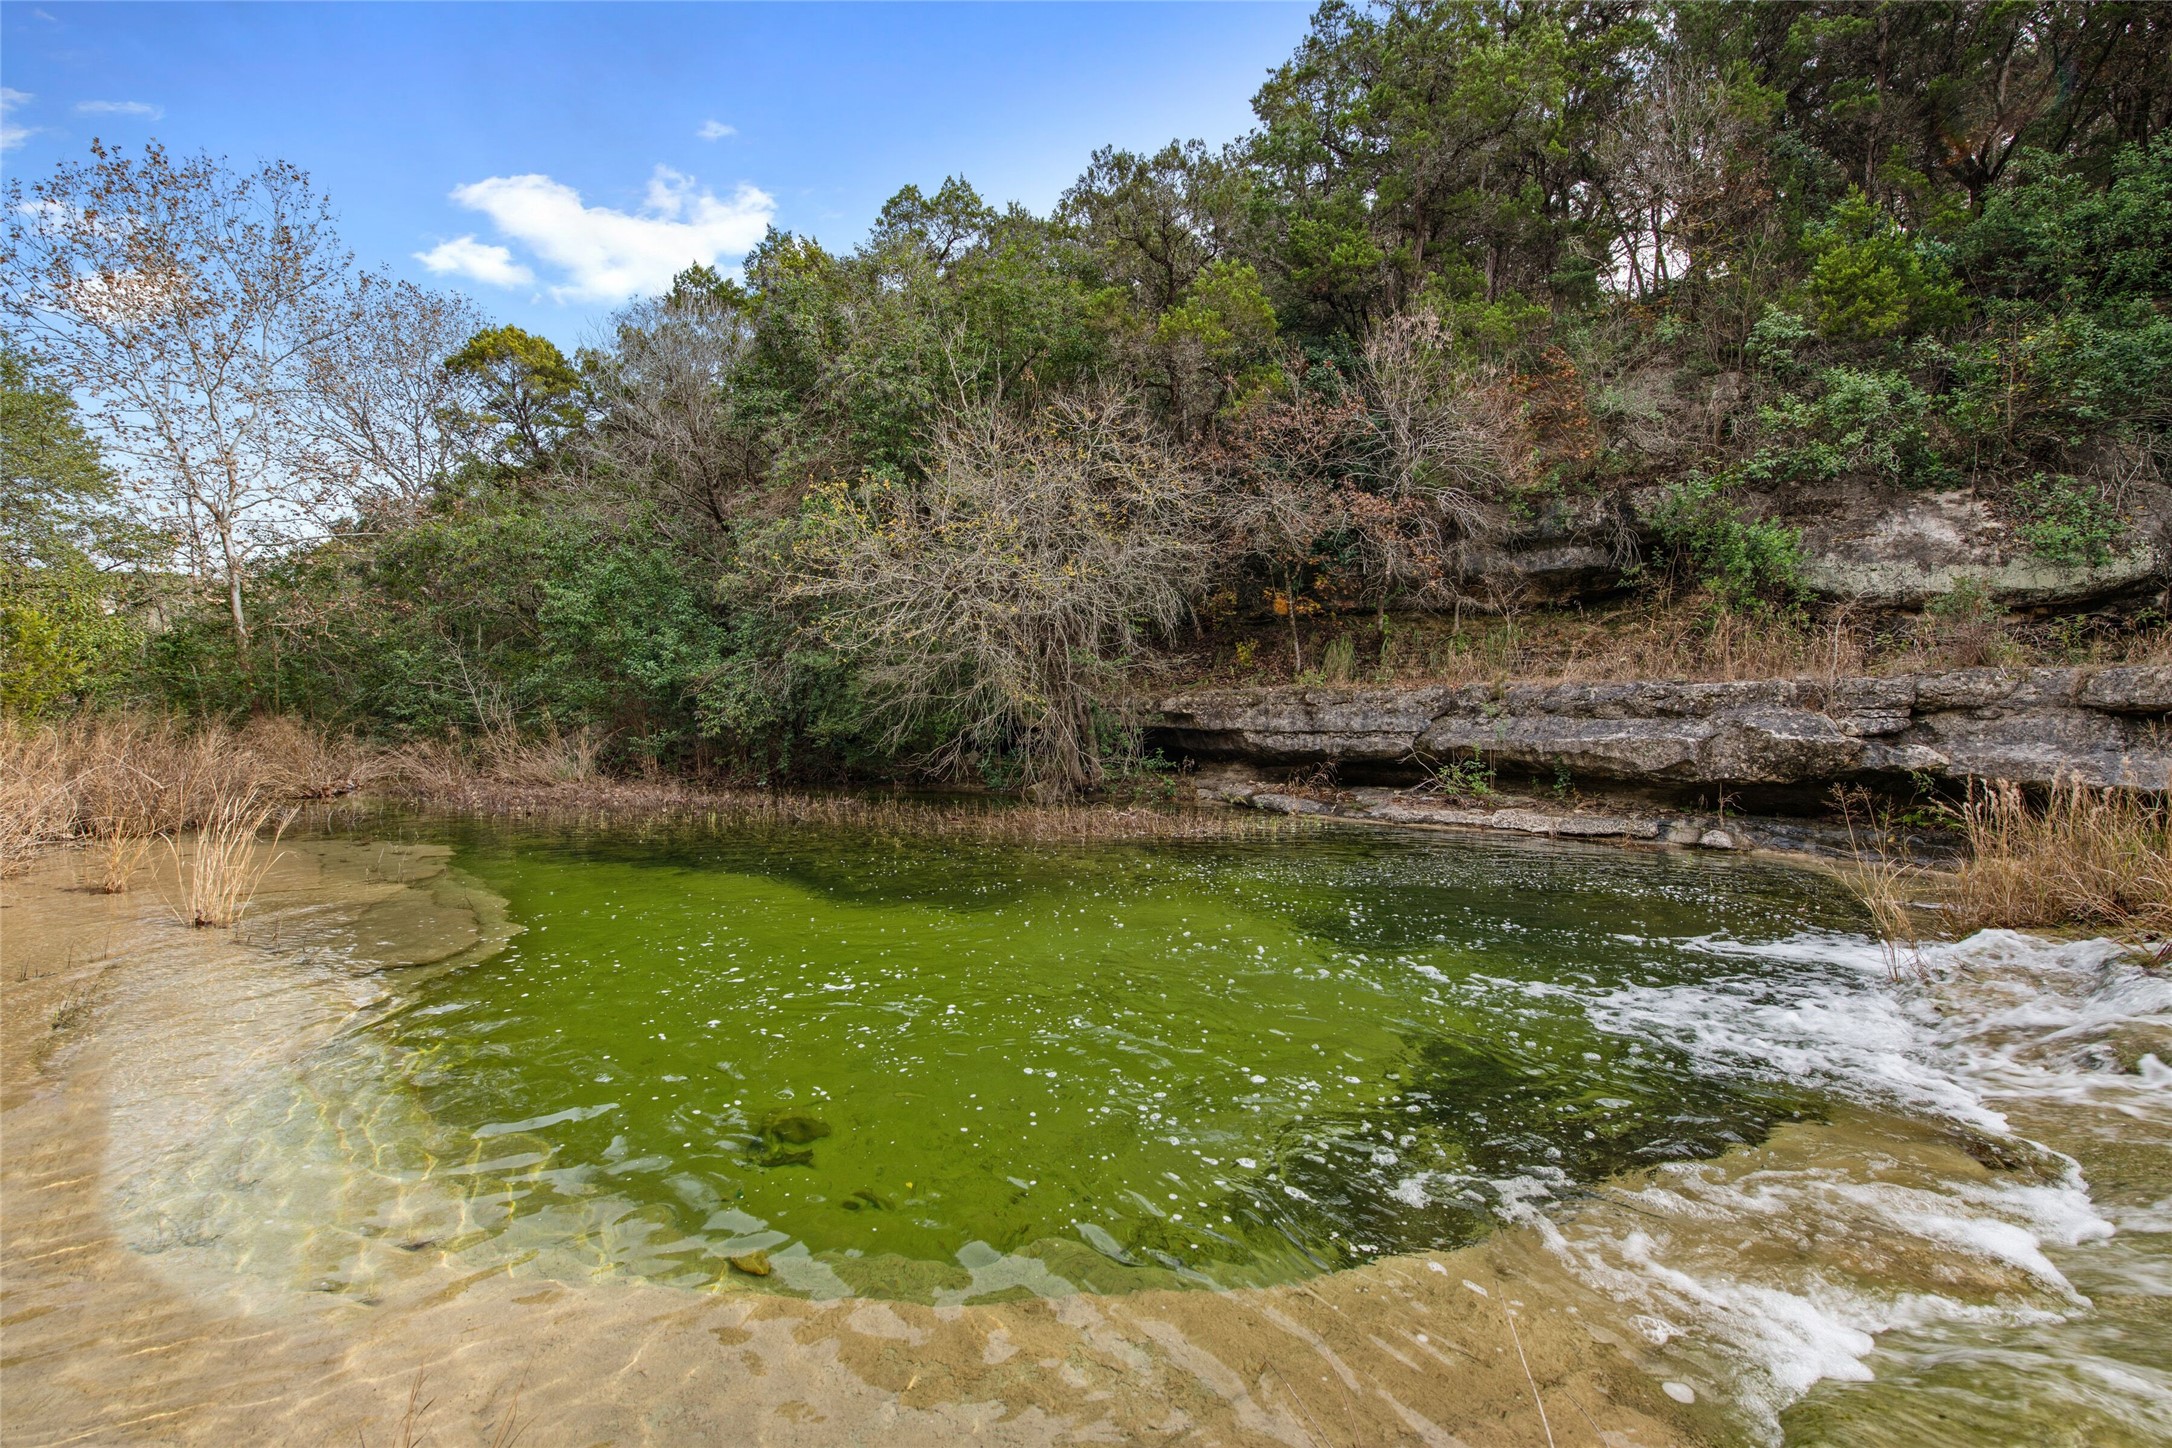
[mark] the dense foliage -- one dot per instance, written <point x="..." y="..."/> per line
<point x="928" y="503"/>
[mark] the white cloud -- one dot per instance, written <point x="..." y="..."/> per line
<point x="464" y="256"/>
<point x="610" y="255"/>
<point x="12" y="135"/>
<point x="716" y="131"/>
<point x="120" y="108"/>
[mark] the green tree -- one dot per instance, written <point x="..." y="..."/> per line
<point x="533" y="398"/>
<point x="1871" y="280"/>
<point x="65" y="625"/>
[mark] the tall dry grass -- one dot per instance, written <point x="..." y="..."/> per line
<point x="220" y="876"/>
<point x="1642" y="642"/>
<point x="119" y="785"/>
<point x="1887" y="885"/>
<point x="903" y="816"/>
<point x="2080" y="855"/>
<point x="2076" y="856"/>
<point x="123" y="781"/>
<point x="1672" y="640"/>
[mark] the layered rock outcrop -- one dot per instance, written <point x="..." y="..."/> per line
<point x="1876" y="548"/>
<point x="2106" y="726"/>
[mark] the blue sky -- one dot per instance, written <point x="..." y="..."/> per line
<point x="549" y="159"/>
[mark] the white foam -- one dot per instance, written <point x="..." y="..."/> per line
<point x="1977" y="1031"/>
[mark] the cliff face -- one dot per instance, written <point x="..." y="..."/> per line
<point x="2107" y="726"/>
<point x="1862" y="546"/>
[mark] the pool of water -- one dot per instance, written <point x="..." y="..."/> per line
<point x="951" y="1070"/>
<point x="1659" y="1143"/>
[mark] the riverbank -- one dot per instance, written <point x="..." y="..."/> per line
<point x="1750" y="765"/>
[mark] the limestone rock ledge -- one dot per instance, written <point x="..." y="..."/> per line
<point x="2106" y="726"/>
<point x="1620" y="822"/>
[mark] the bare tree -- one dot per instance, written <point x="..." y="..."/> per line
<point x="181" y="302"/>
<point x="670" y="416"/>
<point x="1448" y="434"/>
<point x="1010" y="591"/>
<point x="1685" y="182"/>
<point x="387" y="419"/>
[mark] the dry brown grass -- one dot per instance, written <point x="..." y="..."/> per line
<point x="122" y="781"/>
<point x="117" y="854"/>
<point x="1643" y="642"/>
<point x="1682" y="640"/>
<point x="1888" y="887"/>
<point x="2098" y="857"/>
<point x="36" y="805"/>
<point x="219" y="877"/>
<point x="119" y="785"/>
<point x="453" y="785"/>
<point x="2077" y="856"/>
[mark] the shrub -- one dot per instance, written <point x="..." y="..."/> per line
<point x="1747" y="564"/>
<point x="2066" y="521"/>
<point x="1776" y="343"/>
<point x="1853" y="421"/>
<point x="1005" y="595"/>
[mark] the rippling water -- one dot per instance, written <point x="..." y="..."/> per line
<point x="945" y="1071"/>
<point x="1684" y="1118"/>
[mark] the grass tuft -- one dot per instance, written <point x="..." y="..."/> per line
<point x="220" y="876"/>
<point x="2080" y="855"/>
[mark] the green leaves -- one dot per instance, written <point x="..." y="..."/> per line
<point x="1870" y="280"/>
<point x="1850" y="421"/>
<point x="1224" y="312"/>
<point x="2067" y="521"/>
<point x="532" y="396"/>
<point x="1746" y="564"/>
<point x="66" y="625"/>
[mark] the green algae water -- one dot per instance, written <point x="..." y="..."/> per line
<point x="960" y="1070"/>
<point x="1687" y="1118"/>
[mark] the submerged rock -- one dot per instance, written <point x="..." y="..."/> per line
<point x="796" y="1127"/>
<point x="754" y="1264"/>
<point x="768" y="1155"/>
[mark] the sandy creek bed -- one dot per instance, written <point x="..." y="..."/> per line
<point x="132" y="1317"/>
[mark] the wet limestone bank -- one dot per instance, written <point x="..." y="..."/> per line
<point x="1718" y="1177"/>
<point x="1659" y="755"/>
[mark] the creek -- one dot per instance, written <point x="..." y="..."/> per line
<point x="1672" y="1116"/>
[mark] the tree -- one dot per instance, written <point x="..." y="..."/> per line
<point x="1406" y="142"/>
<point x="532" y="398"/>
<point x="1153" y="222"/>
<point x="671" y="417"/>
<point x="389" y="420"/>
<point x="182" y="301"/>
<point x="1005" y="596"/>
<point x="62" y="628"/>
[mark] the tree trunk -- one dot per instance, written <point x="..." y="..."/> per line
<point x="233" y="588"/>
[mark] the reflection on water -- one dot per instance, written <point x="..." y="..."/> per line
<point x="1714" y="1175"/>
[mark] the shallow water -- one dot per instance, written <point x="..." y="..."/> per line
<point x="1662" y="1124"/>
<point x="949" y="1070"/>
